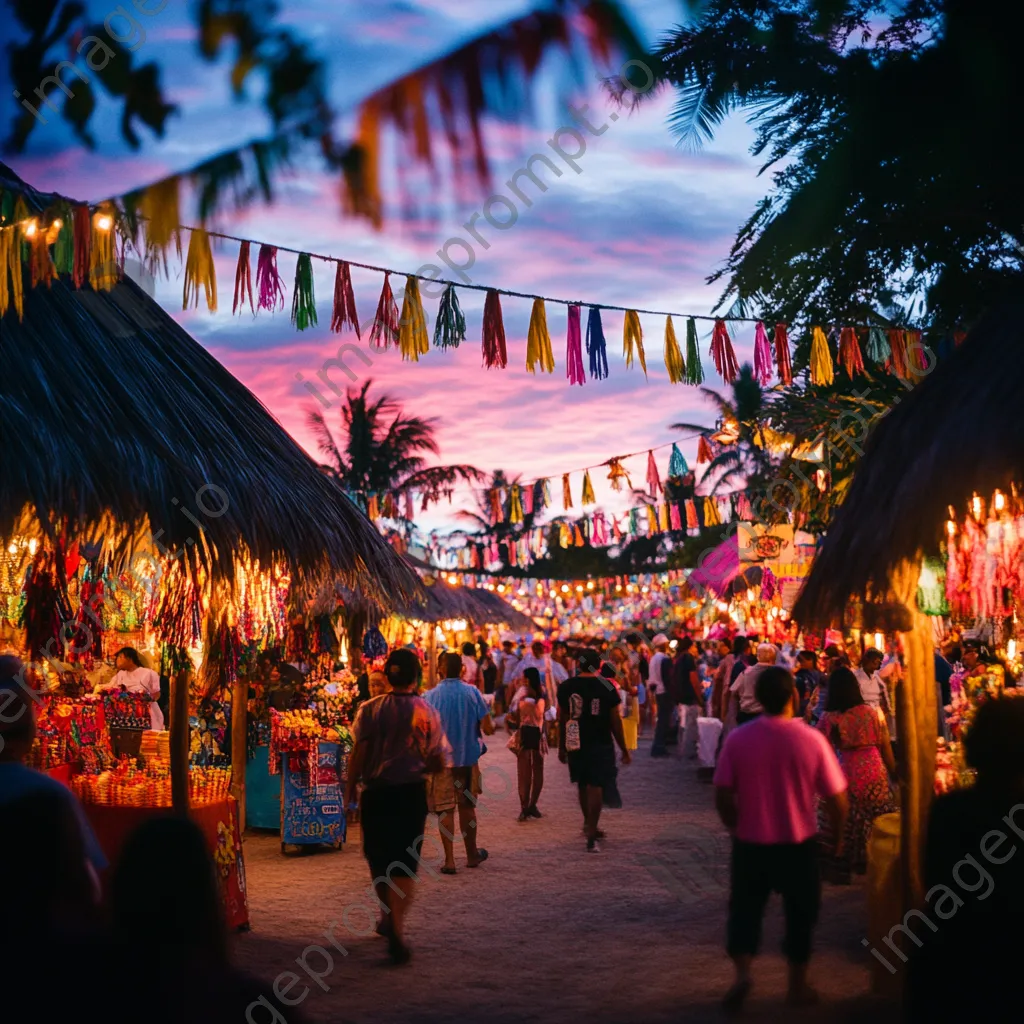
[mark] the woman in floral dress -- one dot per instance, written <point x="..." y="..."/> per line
<point x="861" y="739"/>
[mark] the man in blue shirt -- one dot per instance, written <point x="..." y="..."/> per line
<point x="464" y="715"/>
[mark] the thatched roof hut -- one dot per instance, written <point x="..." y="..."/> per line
<point x="959" y="432"/>
<point x="495" y="609"/>
<point x="117" y="423"/>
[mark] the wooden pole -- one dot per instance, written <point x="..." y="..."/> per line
<point x="179" y="742"/>
<point x="431" y="654"/>
<point x="239" y="743"/>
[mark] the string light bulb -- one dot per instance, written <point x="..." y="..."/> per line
<point x="951" y="528"/>
<point x="104" y="222"/>
<point x="31" y="228"/>
<point x="976" y="506"/>
<point x="999" y="501"/>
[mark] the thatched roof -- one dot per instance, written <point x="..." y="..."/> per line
<point x="115" y="420"/>
<point x="498" y="611"/>
<point x="959" y="432"/>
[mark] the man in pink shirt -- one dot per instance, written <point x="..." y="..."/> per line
<point x="770" y="775"/>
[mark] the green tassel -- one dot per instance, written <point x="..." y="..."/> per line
<point x="303" y="300"/>
<point x="694" y="370"/>
<point x="64" y="247"/>
<point x="450" y="326"/>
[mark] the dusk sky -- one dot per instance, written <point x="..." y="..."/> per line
<point x="642" y="225"/>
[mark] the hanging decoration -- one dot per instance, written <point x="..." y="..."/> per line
<point x="704" y="453"/>
<point x="783" y="362"/>
<point x="450" y="326"/>
<point x="597" y="348"/>
<point x="566" y="493"/>
<point x="821" y="359"/>
<point x="104" y="271"/>
<point x="82" y="228"/>
<point x="711" y="516"/>
<point x="617" y="474"/>
<point x="723" y="354"/>
<point x="897" y="363"/>
<point x="673" y="356"/>
<point x="495" y="353"/>
<point x="538" y="341"/>
<point x="303" y="298"/>
<point x="694" y="367"/>
<point x="412" y="331"/>
<point x="915" y="353"/>
<point x="269" y="286"/>
<point x="588" y="490"/>
<point x="849" y="352"/>
<point x="243" y="281"/>
<point x="384" y="332"/>
<point x="574" y="348"/>
<point x="515" y="509"/>
<point x="199" y="270"/>
<point x="64" y="246"/>
<point x="633" y="339"/>
<point x="653" y="480"/>
<point x="374" y="644"/>
<point x="343" y="313"/>
<point x="41" y="268"/>
<point x="677" y="466"/>
<point x="762" y="356"/>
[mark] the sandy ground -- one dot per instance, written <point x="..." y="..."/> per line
<point x="544" y="931"/>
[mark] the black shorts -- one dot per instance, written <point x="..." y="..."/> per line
<point x="529" y="737"/>
<point x="593" y="766"/>
<point x="394" y="821"/>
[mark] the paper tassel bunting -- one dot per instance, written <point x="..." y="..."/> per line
<point x="538" y="341"/>
<point x="577" y="538"/>
<point x="384" y="332"/>
<point x="783" y="362"/>
<point x="691" y="515"/>
<point x="574" y="348"/>
<point x="675" y="520"/>
<point x="633" y="340"/>
<point x="704" y="453"/>
<point x="159" y="209"/>
<point x="496" y="514"/>
<point x="878" y="346"/>
<point x="588" y="490"/>
<point x="821" y="358"/>
<point x="653" y="479"/>
<point x="597" y="348"/>
<point x="10" y="267"/>
<point x="103" y="268"/>
<point x="495" y="353"/>
<point x="243" y="281"/>
<point x="677" y="466"/>
<point x="566" y="493"/>
<point x="917" y="363"/>
<point x="694" y="368"/>
<point x="303" y="297"/>
<point x="343" y="313"/>
<point x="412" y="330"/>
<point x="515" y="508"/>
<point x="617" y="474"/>
<point x="450" y="326"/>
<point x="41" y="268"/>
<point x="269" y="286"/>
<point x="82" y="226"/>
<point x="711" y="516"/>
<point x="762" y="356"/>
<point x="849" y="352"/>
<point x="64" y="247"/>
<point x="723" y="353"/>
<point x="663" y="519"/>
<point x="673" y="356"/>
<point x="897" y="363"/>
<point x="199" y="271"/>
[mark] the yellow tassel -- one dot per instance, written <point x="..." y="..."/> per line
<point x="577" y="537"/>
<point x="373" y="508"/>
<point x="515" y="512"/>
<point x="412" y="325"/>
<point x="199" y="270"/>
<point x="588" y="490"/>
<point x="821" y="358"/>
<point x="633" y="338"/>
<point x="538" y="341"/>
<point x="663" y="517"/>
<point x="673" y="355"/>
<point x="711" y="516"/>
<point x="566" y="492"/>
<point x="10" y="267"/>
<point x="160" y="208"/>
<point x="563" y="535"/>
<point x="103" y="271"/>
<point x="652" y="520"/>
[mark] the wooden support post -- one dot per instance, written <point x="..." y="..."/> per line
<point x="179" y="742"/>
<point x="431" y="654"/>
<point x="239" y="743"/>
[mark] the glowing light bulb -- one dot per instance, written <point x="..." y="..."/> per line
<point x="104" y="222"/>
<point x="879" y="642"/>
<point x="565" y="588"/>
<point x="951" y="528"/>
<point x="1000" y="501"/>
<point x="618" y="588"/>
<point x="12" y="549"/>
<point x="31" y="228"/>
<point x="57" y="223"/>
<point x="579" y="588"/>
<point x="976" y="506"/>
<point x="590" y="585"/>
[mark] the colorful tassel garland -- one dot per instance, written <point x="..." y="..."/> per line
<point x="103" y="269"/>
<point x="269" y="286"/>
<point x="821" y="358"/>
<point x="653" y="479"/>
<point x="783" y="362"/>
<point x="566" y="493"/>
<point x="588" y="490"/>
<point x="41" y="268"/>
<point x="574" y="348"/>
<point x="704" y="453"/>
<point x="617" y="474"/>
<point x="762" y="356"/>
<point x="849" y="352"/>
<point x="199" y="272"/>
<point x="10" y="268"/>
<point x="597" y="348"/>
<point x="878" y="346"/>
<point x="412" y="331"/>
<point x="711" y="516"/>
<point x="450" y="326"/>
<point x="82" y="226"/>
<point x="538" y="341"/>
<point x="723" y="354"/>
<point x="675" y="519"/>
<point x="495" y="353"/>
<point x="384" y="332"/>
<point x="694" y="368"/>
<point x="673" y="356"/>
<point x="64" y="246"/>
<point x="515" y="514"/>
<point x="652" y="520"/>
<point x="303" y="298"/>
<point x="496" y="513"/>
<point x="633" y="338"/>
<point x="634" y="528"/>
<point x="691" y="515"/>
<point x="343" y="313"/>
<point x="159" y="208"/>
<point x="663" y="520"/>
<point x="677" y="466"/>
<point x="917" y="364"/>
<point x="243" y="281"/>
<point x="897" y="362"/>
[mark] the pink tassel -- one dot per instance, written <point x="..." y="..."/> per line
<point x="268" y="280"/>
<point x="674" y="518"/>
<point x="782" y="359"/>
<point x="653" y="480"/>
<point x="344" y="313"/>
<point x="723" y="354"/>
<point x="243" y="281"/>
<point x="384" y="332"/>
<point x="762" y="355"/>
<point x="574" y="348"/>
<point x="495" y="353"/>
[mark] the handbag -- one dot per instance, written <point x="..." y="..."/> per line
<point x="515" y="742"/>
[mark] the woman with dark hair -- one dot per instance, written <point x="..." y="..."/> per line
<point x="398" y="742"/>
<point x="861" y="739"/>
<point x="530" y="743"/>
<point x="486" y="668"/>
<point x="135" y="678"/>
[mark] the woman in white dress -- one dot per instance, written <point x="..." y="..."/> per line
<point x="136" y="679"/>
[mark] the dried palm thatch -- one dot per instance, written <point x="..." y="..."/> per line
<point x="497" y="611"/>
<point x="959" y="432"/>
<point x="119" y="426"/>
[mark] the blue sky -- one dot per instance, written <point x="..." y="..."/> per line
<point x="641" y="225"/>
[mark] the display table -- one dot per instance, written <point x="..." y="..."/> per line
<point x="219" y="824"/>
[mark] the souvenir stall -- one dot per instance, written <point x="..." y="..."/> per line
<point x="947" y="447"/>
<point x="147" y="501"/>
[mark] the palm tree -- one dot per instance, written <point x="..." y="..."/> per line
<point x="384" y="450"/>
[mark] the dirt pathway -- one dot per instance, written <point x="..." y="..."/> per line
<point x="544" y="931"/>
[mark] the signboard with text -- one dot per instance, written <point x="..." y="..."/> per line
<point x="312" y="814"/>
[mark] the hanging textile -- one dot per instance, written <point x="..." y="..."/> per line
<point x="723" y="353"/>
<point x="243" y="281"/>
<point x="633" y="340"/>
<point x="199" y="271"/>
<point x="711" y="516"/>
<point x="566" y="493"/>
<point x="413" y="341"/>
<point x="588" y="490"/>
<point x="617" y="474"/>
<point x="384" y="330"/>
<point x="597" y="348"/>
<point x="762" y="356"/>
<point x="450" y="326"/>
<point x="538" y="340"/>
<point x="783" y="362"/>
<point x="574" y="348"/>
<point x="343" y="313"/>
<point x="494" y="350"/>
<point x="849" y="352"/>
<point x="677" y="466"/>
<point x="821" y="358"/>
<point x="673" y="356"/>
<point x="653" y="480"/>
<point x="515" y="514"/>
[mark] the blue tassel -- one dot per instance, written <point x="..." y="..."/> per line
<point x="596" y="347"/>
<point x="677" y="463"/>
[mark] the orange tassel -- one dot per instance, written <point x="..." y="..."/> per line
<point x="704" y="453"/>
<point x="849" y="352"/>
<point x="897" y="361"/>
<point x="384" y="332"/>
